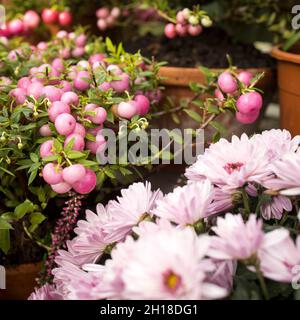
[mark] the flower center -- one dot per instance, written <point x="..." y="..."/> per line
<point x="172" y="281"/>
<point x="231" y="167"/>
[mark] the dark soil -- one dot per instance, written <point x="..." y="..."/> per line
<point x="209" y="49"/>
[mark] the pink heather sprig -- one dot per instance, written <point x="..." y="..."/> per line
<point x="62" y="232"/>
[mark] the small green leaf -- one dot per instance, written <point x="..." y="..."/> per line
<point x="26" y="207"/>
<point x="4" y="240"/>
<point x="36" y="218"/>
<point x="34" y="157"/>
<point x="75" y="154"/>
<point x="4" y="224"/>
<point x="193" y="114"/>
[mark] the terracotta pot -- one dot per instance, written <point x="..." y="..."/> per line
<point x="20" y="281"/>
<point x="177" y="87"/>
<point x="289" y="88"/>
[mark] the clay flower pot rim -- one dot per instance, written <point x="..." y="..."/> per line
<point x="180" y="76"/>
<point x="285" y="56"/>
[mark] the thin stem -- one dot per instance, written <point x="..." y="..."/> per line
<point x="206" y="123"/>
<point x="262" y="282"/>
<point x="30" y="236"/>
<point x="166" y="17"/>
<point x="161" y="113"/>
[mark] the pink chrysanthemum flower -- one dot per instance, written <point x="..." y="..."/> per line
<point x="231" y="164"/>
<point x="287" y="175"/>
<point x="169" y="265"/>
<point x="131" y="208"/>
<point x="236" y="239"/>
<point x="274" y="208"/>
<point x="46" y="292"/>
<point x="186" y="205"/>
<point x="280" y="256"/>
<point x="276" y="142"/>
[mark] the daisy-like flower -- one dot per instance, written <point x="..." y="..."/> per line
<point x="46" y="292"/>
<point x="236" y="240"/>
<point x="170" y="264"/>
<point x="186" y="205"/>
<point x="287" y="175"/>
<point x="90" y="242"/>
<point x="231" y="164"/>
<point x="277" y="143"/>
<point x="280" y="256"/>
<point x="132" y="207"/>
<point x="274" y="208"/>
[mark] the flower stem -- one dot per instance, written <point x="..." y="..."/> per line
<point x="262" y="282"/>
<point x="245" y="201"/>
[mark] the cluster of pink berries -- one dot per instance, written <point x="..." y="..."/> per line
<point x="71" y="120"/>
<point x="52" y="16"/>
<point x="248" y="101"/>
<point x="21" y="26"/>
<point x="187" y="23"/>
<point x="107" y="17"/>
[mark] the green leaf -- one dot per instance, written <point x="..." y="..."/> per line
<point x="193" y="114"/>
<point x="109" y="45"/>
<point x="50" y="158"/>
<point x="125" y="171"/>
<point x="291" y="41"/>
<point x="34" y="157"/>
<point x="88" y="163"/>
<point x="4" y="224"/>
<point x="32" y="176"/>
<point x="110" y="173"/>
<point x="36" y="218"/>
<point x="218" y="126"/>
<point x="26" y="207"/>
<point x="75" y="154"/>
<point x="4" y="240"/>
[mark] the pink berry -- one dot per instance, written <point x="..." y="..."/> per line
<point x="98" y="145"/>
<point x="219" y="95"/>
<point x="45" y="131"/>
<point x="62" y="34"/>
<point x="245" y="77"/>
<point x="227" y="83"/>
<point x="74" y="173"/>
<point x="170" y="31"/>
<point x="65" y="124"/>
<point x="115" y="12"/>
<point x="70" y="98"/>
<point x="35" y="89"/>
<point x="49" y="16"/>
<point x="95" y="131"/>
<point x="102" y="13"/>
<point x="24" y="82"/>
<point x="181" y="29"/>
<point x="143" y="104"/>
<point x="65" y="53"/>
<point x="81" y="82"/>
<point x="247" y="118"/>
<point x="46" y="149"/>
<point x="78" y="141"/>
<point x="79" y="129"/>
<point x="194" y="30"/>
<point x="127" y="109"/>
<point x="65" y="18"/>
<point x="42" y="45"/>
<point x="52" y="174"/>
<point x="83" y="64"/>
<point x="102" y="24"/>
<point x="87" y="183"/>
<point x="31" y="19"/>
<point x="78" y="52"/>
<point x="121" y="85"/>
<point x="90" y="107"/>
<point x="52" y="93"/>
<point x="18" y="94"/>
<point x="100" y="115"/>
<point x="114" y="70"/>
<point x="105" y="86"/>
<point x="61" y="188"/>
<point x="16" y="26"/>
<point x="97" y="57"/>
<point x="180" y="17"/>
<point x="58" y="64"/>
<point x="65" y="86"/>
<point x="80" y="40"/>
<point x="249" y="102"/>
<point x="57" y="108"/>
